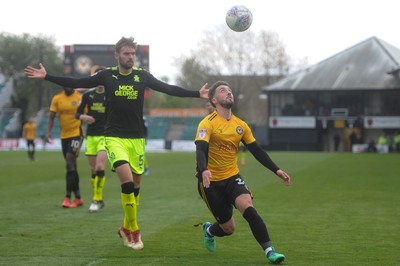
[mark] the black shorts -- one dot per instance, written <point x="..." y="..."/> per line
<point x="30" y="143"/>
<point x="221" y="195"/>
<point x="71" y="145"/>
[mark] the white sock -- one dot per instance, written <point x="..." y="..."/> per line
<point x="208" y="231"/>
<point x="268" y="250"/>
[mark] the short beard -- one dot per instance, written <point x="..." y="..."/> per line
<point x="125" y="66"/>
<point x="227" y="105"/>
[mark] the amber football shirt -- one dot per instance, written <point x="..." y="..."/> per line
<point x="223" y="137"/>
<point x="29" y="130"/>
<point x="66" y="107"/>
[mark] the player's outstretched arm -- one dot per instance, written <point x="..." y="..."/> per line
<point x="36" y="73"/>
<point x="204" y="91"/>
<point x="265" y="160"/>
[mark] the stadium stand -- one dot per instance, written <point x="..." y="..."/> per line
<point x="10" y="123"/>
<point x="157" y="127"/>
<point x="42" y="120"/>
<point x="189" y="132"/>
<point x="172" y="128"/>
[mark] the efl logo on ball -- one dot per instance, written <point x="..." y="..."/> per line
<point x="239" y="18"/>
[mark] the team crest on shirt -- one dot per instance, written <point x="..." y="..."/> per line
<point x="202" y="133"/>
<point x="239" y="130"/>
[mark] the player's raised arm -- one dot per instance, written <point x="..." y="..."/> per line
<point x="36" y="73"/>
<point x="204" y="91"/>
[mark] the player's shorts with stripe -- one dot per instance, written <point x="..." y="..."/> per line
<point x="220" y="196"/>
<point x="94" y="144"/>
<point x="126" y="150"/>
<point x="71" y="145"/>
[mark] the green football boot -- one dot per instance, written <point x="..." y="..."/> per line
<point x="209" y="241"/>
<point x="275" y="257"/>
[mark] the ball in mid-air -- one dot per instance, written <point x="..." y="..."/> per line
<point x="239" y="18"/>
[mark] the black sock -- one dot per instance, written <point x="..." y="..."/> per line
<point x="73" y="184"/>
<point x="100" y="173"/>
<point x="258" y="227"/>
<point x="77" y="191"/>
<point x="216" y="230"/>
<point x="127" y="188"/>
<point x="70" y="179"/>
<point x="136" y="191"/>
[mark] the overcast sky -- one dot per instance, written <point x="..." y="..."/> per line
<point x="312" y="29"/>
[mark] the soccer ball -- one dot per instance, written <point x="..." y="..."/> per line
<point x="239" y="18"/>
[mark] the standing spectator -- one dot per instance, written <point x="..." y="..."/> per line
<point x="219" y="181"/>
<point x="353" y="139"/>
<point x="383" y="143"/>
<point x="92" y="111"/>
<point x="397" y="141"/>
<point x="390" y="143"/>
<point x="65" y="105"/>
<point x="336" y="141"/>
<point x="383" y="140"/>
<point x="29" y="133"/>
<point x="372" y="146"/>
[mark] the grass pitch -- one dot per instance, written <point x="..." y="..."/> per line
<point x="341" y="209"/>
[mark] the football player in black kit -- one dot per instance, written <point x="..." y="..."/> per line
<point x="124" y="129"/>
<point x="91" y="110"/>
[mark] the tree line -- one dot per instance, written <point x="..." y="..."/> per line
<point x="219" y="53"/>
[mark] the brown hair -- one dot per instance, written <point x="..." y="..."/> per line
<point x="130" y="42"/>
<point x="213" y="87"/>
